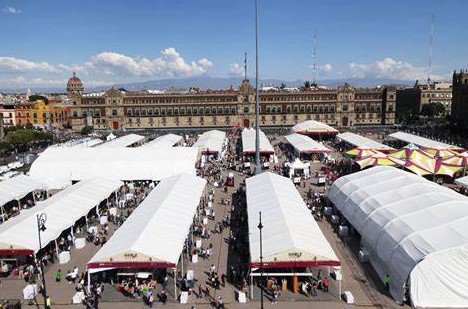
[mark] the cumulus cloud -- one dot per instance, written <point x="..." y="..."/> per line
<point x="22" y="81"/>
<point x="15" y="65"/>
<point x="236" y="69"/>
<point x="326" y="68"/>
<point x="169" y="64"/>
<point x="389" y="68"/>
<point x="11" y="10"/>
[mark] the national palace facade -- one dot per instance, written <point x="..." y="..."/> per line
<point x="118" y="109"/>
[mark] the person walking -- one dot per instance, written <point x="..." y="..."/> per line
<point x="325" y="284"/>
<point x="314" y="289"/>
<point x="58" y="276"/>
<point x="387" y="280"/>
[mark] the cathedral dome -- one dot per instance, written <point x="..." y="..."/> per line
<point x="74" y="82"/>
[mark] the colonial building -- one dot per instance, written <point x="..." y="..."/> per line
<point x="460" y="98"/>
<point x="412" y="100"/>
<point x="41" y="114"/>
<point x="118" y="109"/>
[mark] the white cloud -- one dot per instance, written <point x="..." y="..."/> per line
<point x="326" y="68"/>
<point x="169" y="64"/>
<point x="389" y="68"/>
<point x="236" y="69"/>
<point x="11" y="10"/>
<point x="21" y="81"/>
<point x="15" y="65"/>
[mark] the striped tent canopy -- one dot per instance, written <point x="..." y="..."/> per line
<point x="411" y="154"/>
<point x="359" y="153"/>
<point x="379" y="159"/>
<point x="441" y="153"/>
<point x="460" y="159"/>
<point x="431" y="166"/>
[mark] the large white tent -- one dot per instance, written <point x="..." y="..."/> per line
<point x="18" y="236"/>
<point x="59" y="167"/>
<point x="123" y="141"/>
<point x="18" y="187"/>
<point x="404" y="219"/>
<point x="291" y="237"/>
<point x="154" y="234"/>
<point x="164" y="141"/>
<point x="248" y="142"/>
<point x="211" y="142"/>
<point x="304" y="144"/>
<point x="362" y="142"/>
<point x="314" y="128"/>
<point x="421" y="141"/>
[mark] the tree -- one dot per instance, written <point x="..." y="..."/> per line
<point x="306" y="84"/>
<point x="283" y="85"/>
<point x="433" y="109"/>
<point x="20" y="137"/>
<point x="36" y="97"/>
<point x="86" y="130"/>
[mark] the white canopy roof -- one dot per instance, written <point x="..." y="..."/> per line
<point x="248" y="142"/>
<point x="58" y="167"/>
<point x="462" y="181"/>
<point x="291" y="237"/>
<point x="123" y="141"/>
<point x="164" y="141"/>
<point x="154" y="234"/>
<point x="361" y="141"/>
<point x="211" y="141"/>
<point x="421" y="141"/>
<point x="304" y="144"/>
<point x="80" y="143"/>
<point x="63" y="210"/>
<point x="18" y="187"/>
<point x="404" y="219"/>
<point x="298" y="164"/>
<point x="314" y="127"/>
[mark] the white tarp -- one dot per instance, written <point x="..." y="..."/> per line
<point x="361" y="141"/>
<point x="462" y="181"/>
<point x="304" y="144"/>
<point x="421" y="141"/>
<point x="58" y="167"/>
<point x="18" y="187"/>
<point x="62" y="210"/>
<point x="155" y="232"/>
<point x="164" y="141"/>
<point x="314" y="127"/>
<point x="290" y="233"/>
<point x="403" y="219"/>
<point x="248" y="142"/>
<point x="122" y="142"/>
<point x="80" y="143"/>
<point x="211" y="141"/>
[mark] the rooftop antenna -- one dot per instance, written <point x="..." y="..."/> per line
<point x="314" y="57"/>
<point x="431" y="50"/>
<point x="245" y="66"/>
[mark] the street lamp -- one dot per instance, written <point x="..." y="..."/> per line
<point x="260" y="227"/>
<point x="258" y="168"/>
<point x="41" y="220"/>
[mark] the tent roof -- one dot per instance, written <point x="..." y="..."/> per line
<point x="62" y="210"/>
<point x="80" y="143"/>
<point x="362" y="142"/>
<point x="212" y="141"/>
<point x="314" y="127"/>
<point x="58" y="167"/>
<point x="298" y="164"/>
<point x="462" y="181"/>
<point x="123" y="141"/>
<point x="155" y="232"/>
<point x="421" y="141"/>
<point x="304" y="144"/>
<point x="164" y="141"/>
<point x="402" y="219"/>
<point x="18" y="187"/>
<point x="291" y="237"/>
<point x="248" y="142"/>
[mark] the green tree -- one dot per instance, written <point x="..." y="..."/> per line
<point x="306" y="84"/>
<point x="36" y="97"/>
<point x="283" y="85"/>
<point x="86" y="130"/>
<point x="20" y="137"/>
<point x="433" y="109"/>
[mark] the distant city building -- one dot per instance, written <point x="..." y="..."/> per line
<point x="460" y="98"/>
<point x="412" y="100"/>
<point x="118" y="109"/>
<point x="42" y="115"/>
<point x="8" y="112"/>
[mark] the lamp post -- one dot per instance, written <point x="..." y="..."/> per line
<point x="260" y="227"/>
<point x="41" y="220"/>
<point x="258" y="168"/>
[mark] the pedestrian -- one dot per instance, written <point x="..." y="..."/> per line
<point x="325" y="284"/>
<point x="314" y="289"/>
<point x="387" y="280"/>
<point x="48" y="303"/>
<point x="58" y="276"/>
<point x="223" y="279"/>
<point x="207" y="291"/>
<point x="220" y="303"/>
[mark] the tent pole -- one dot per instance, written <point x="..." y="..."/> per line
<point x="34" y="196"/>
<point x="56" y="248"/>
<point x="182" y="264"/>
<point x="175" y="283"/>
<point x="89" y="281"/>
<point x="87" y="225"/>
<point x="251" y="287"/>
<point x="72" y="235"/>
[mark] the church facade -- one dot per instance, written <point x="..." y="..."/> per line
<point x="118" y="109"/>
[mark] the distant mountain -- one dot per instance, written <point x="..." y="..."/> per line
<point x="205" y="82"/>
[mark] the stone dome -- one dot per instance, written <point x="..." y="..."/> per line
<point x="74" y="82"/>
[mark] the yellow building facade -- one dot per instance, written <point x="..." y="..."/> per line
<point x="41" y="114"/>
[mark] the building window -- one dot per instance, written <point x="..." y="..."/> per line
<point x="163" y="111"/>
<point x="75" y="114"/>
<point x="114" y="112"/>
<point x="182" y="111"/>
<point x="156" y="112"/>
<point x="150" y="112"/>
<point x="143" y="112"/>
<point x="233" y="110"/>
<point x="288" y="109"/>
<point x="345" y="107"/>
<point x="195" y="110"/>
<point x="315" y="108"/>
<point x="302" y="109"/>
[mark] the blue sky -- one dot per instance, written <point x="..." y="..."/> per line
<point x="43" y="41"/>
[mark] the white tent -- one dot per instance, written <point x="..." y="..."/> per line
<point x="18" y="236"/>
<point x="312" y="127"/>
<point x="18" y="187"/>
<point x="154" y="234"/>
<point x="164" y="141"/>
<point x="122" y="142"/>
<point x="421" y="141"/>
<point x="361" y="141"/>
<point x="59" y="167"/>
<point x="299" y="165"/>
<point x="211" y="142"/>
<point x="462" y="181"/>
<point x="291" y="237"/>
<point x="304" y="144"/>
<point x="404" y="219"/>
<point x="248" y="142"/>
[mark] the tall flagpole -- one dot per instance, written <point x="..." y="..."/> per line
<point x="258" y="168"/>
